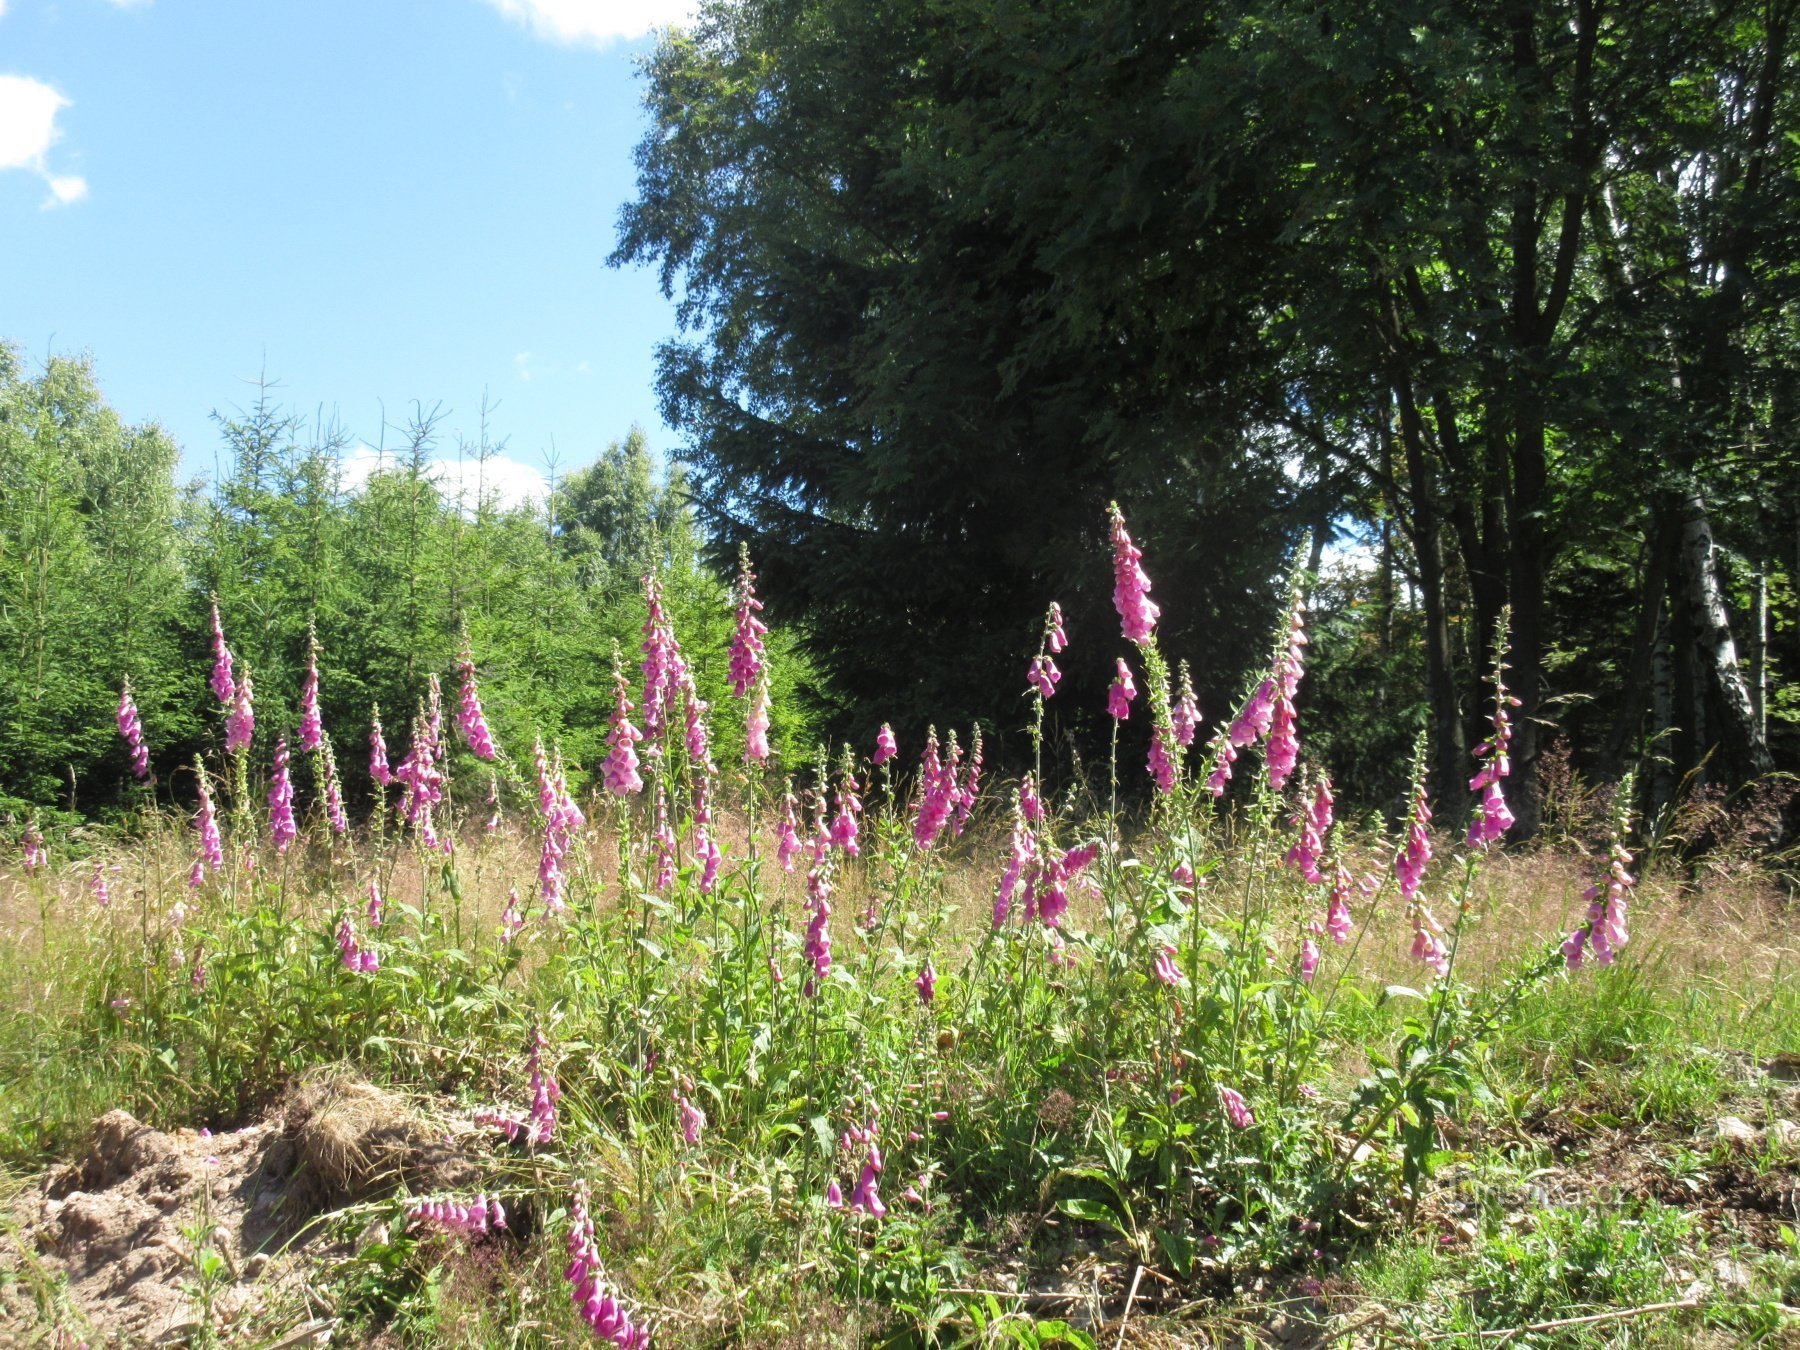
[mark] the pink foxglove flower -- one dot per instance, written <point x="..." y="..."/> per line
<point x="597" y="1305"/>
<point x="1284" y="745"/>
<point x="1224" y="755"/>
<point x="282" y="829"/>
<point x="335" y="814"/>
<point x="694" y="724"/>
<point x="511" y="920"/>
<point x="206" y="823"/>
<point x="1120" y="693"/>
<point x="1428" y="941"/>
<point x="844" y="828"/>
<point x="469" y="716"/>
<point x="35" y="855"/>
<point x="1237" y="1110"/>
<point x="312" y="727"/>
<point x="1055" y="639"/>
<point x="834" y="1195"/>
<point x="1031" y="806"/>
<point x="1309" y="951"/>
<point x="223" y="688"/>
<point x="1494" y="818"/>
<point x="1253" y="719"/>
<point x="937" y="790"/>
<point x="926" y="983"/>
<point x="1042" y="675"/>
<point x="664" y="843"/>
<point x="378" y="755"/>
<point x="1415" y="853"/>
<point x="97" y="886"/>
<point x="1131" y="587"/>
<point x="745" y="663"/>
<point x="664" y="667"/>
<point x="1161" y="763"/>
<point x="885" y="747"/>
<point x="1315" y="824"/>
<point x="131" y="727"/>
<point x="968" y="788"/>
<point x="788" y="847"/>
<point x="866" y="1198"/>
<point x="472" y="1218"/>
<point x="621" y="767"/>
<point x="1606" y="928"/>
<point x="1164" y="966"/>
<point x="1020" y="860"/>
<point x="240" y="726"/>
<point x="756" y="725"/>
<point x="374" y="909"/>
<point x="1337" y="913"/>
<point x="693" y="1121"/>
<point x="1185" y="715"/>
<point x="356" y="958"/>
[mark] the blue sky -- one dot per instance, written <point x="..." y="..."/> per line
<point x="375" y="200"/>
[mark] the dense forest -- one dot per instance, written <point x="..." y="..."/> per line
<point x="110" y="565"/>
<point x="1504" y="295"/>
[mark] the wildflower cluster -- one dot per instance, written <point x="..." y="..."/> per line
<point x="599" y="1307"/>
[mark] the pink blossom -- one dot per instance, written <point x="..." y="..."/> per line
<point x="1309" y="951"/>
<point x="97" y="886"/>
<point x="335" y="814"/>
<point x="1237" y="1111"/>
<point x="312" y="728"/>
<point x="1029" y="803"/>
<point x="222" y="686"/>
<point x="745" y="663"/>
<point x="788" y="847"/>
<point x="1185" y="715"/>
<point x="1120" y="692"/>
<point x="885" y="747"/>
<point x="240" y="726"/>
<point x="620" y="769"/>
<point x="206" y="822"/>
<point x="1161" y="764"/>
<point x="926" y="983"/>
<point x="1131" y="587"/>
<point x="1415" y="854"/>
<point x="1253" y="719"/>
<point x="469" y="716"/>
<point x="1224" y="755"/>
<point x="756" y="725"/>
<point x="1022" y="857"/>
<point x="866" y="1197"/>
<point x="1428" y="941"/>
<point x="35" y="855"/>
<point x="1055" y="639"/>
<point x="1606" y="929"/>
<point x="378" y="755"/>
<point x="664" y="667"/>
<point x="1042" y="675"/>
<point x="374" y="909"/>
<point x="511" y="920"/>
<point x="1337" y="913"/>
<point x="356" y="958"/>
<point x="968" y="788"/>
<point x="834" y="1195"/>
<point x="663" y="841"/>
<point x="598" y="1307"/>
<point x="849" y="806"/>
<point x="473" y="1218"/>
<point x="694" y="724"/>
<point x="693" y="1121"/>
<point x="282" y="829"/>
<point x="1164" y="966"/>
<point x="937" y="790"/>
<point x="131" y="727"/>
<point x="1315" y="824"/>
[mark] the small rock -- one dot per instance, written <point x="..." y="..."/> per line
<point x="1735" y="1132"/>
<point x="1730" y="1277"/>
<point x="256" y="1265"/>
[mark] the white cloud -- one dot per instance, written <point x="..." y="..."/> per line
<point x="28" y="111"/>
<point x="595" y="22"/>
<point x="522" y="363"/>
<point x="503" y="480"/>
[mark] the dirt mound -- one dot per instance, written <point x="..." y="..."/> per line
<point x="111" y="1247"/>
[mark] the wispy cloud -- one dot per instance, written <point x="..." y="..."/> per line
<point x="28" y="110"/>
<point x="503" y="480"/>
<point x="594" y="22"/>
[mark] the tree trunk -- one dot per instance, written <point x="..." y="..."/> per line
<point x="1662" y="716"/>
<point x="1743" y="753"/>
<point x="1647" y="631"/>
